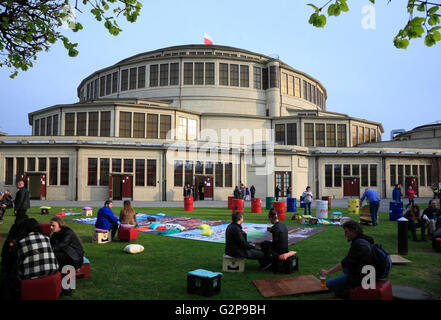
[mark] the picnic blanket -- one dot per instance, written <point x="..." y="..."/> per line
<point x="189" y="228"/>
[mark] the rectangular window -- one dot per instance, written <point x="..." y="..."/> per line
<point x="337" y="175"/>
<point x="133" y="76"/>
<point x="128" y="165"/>
<point x="178" y="173"/>
<point x="297" y="86"/>
<point x="81" y="123"/>
<point x="102" y="86"/>
<point x="108" y="84"/>
<point x="105" y="124"/>
<point x="346" y="169"/>
<point x="141" y="77"/>
<point x="291" y="134"/>
<point x="273" y="77"/>
<point x="152" y="126"/>
<point x="199" y="167"/>
<point x="341" y="135"/>
<point x="174" y="74"/>
<point x="223" y="74"/>
<point x="313" y="97"/>
<point x="309" y="92"/>
<point x="208" y="168"/>
<point x="182" y="129"/>
<point x="43" y="127"/>
<point x="116" y="165"/>
<point x="366" y="135"/>
<point x="31" y="164"/>
<point x="125" y="124"/>
<point x="309" y="134"/>
<point x="115" y="82"/>
<point x="400" y="174"/>
<point x="55" y="126"/>
<point x="165" y="126"/>
<point x="265" y="78"/>
<point x="360" y="135"/>
<point x="125" y="80"/>
<point x="228" y="174"/>
<point x="280" y="133"/>
<point x="95" y="88"/>
<point x="49" y="126"/>
<point x="330" y="135"/>
<point x="151" y="172"/>
<point x="429" y="175"/>
<point x="328" y="175"/>
<point x="88" y="90"/>
<point x="354" y="135"/>
<point x="192" y="130"/>
<point x="104" y="171"/>
<point x="305" y="90"/>
<point x="9" y="171"/>
<point x="291" y="85"/>
<point x="53" y="171"/>
<point x="154" y="75"/>
<point x="37" y="127"/>
<point x="244" y="76"/>
<point x="163" y="74"/>
<point x="20" y="167"/>
<point x="64" y="171"/>
<point x="92" y="173"/>
<point x="93" y="124"/>
<point x="356" y="170"/>
<point x="219" y="175"/>
<point x="188" y="179"/>
<point x="364" y="175"/>
<point x="42" y="164"/>
<point x="422" y="175"/>
<point x="257" y="77"/>
<point x="373" y="175"/>
<point x="407" y="170"/>
<point x="188" y="73"/>
<point x="393" y="175"/>
<point x="415" y="170"/>
<point x="234" y="75"/>
<point x="138" y="125"/>
<point x="198" y="73"/>
<point x="140" y="172"/>
<point x="320" y="134"/>
<point x="209" y="73"/>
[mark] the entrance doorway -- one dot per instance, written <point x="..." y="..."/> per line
<point x="36" y="185"/>
<point x="351" y="187"/>
<point x="120" y="187"/>
<point x="283" y="180"/>
<point x="205" y="182"/>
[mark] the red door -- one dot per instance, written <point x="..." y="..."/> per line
<point x="282" y="179"/>
<point x="127" y="187"/>
<point x="411" y="181"/>
<point x="110" y="187"/>
<point x="351" y="187"/>
<point x="43" y="186"/>
<point x="208" y="188"/>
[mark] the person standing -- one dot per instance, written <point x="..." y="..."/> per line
<point x="106" y="220"/>
<point x="374" y="203"/>
<point x="289" y="192"/>
<point x="252" y="191"/>
<point x="5" y="203"/>
<point x="411" y="196"/>
<point x="242" y="191"/>
<point x="22" y="202"/>
<point x="396" y="193"/>
<point x="236" y="193"/>
<point x="277" y="193"/>
<point x="307" y="199"/>
<point x="247" y="194"/>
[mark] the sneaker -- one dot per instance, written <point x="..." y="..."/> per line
<point x="266" y="267"/>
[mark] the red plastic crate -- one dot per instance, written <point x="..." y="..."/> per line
<point x="382" y="291"/>
<point x="83" y="273"/>
<point x="127" y="234"/>
<point x="46" y="288"/>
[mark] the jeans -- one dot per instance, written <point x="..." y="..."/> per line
<point x="255" y="254"/>
<point x="308" y="207"/>
<point x="339" y="285"/>
<point x="373" y="208"/>
<point x="411" y="202"/>
<point x="412" y="227"/>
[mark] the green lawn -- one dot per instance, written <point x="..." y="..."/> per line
<point x="160" y="272"/>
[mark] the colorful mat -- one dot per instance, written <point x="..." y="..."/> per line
<point x="187" y="228"/>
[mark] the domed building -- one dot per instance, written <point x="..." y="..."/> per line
<point x="210" y="116"/>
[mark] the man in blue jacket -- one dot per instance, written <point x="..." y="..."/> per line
<point x="396" y="193"/>
<point x="374" y="203"/>
<point x="106" y="219"/>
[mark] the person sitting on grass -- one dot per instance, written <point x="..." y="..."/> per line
<point x="414" y="221"/>
<point x="128" y="215"/>
<point x="106" y="220"/>
<point x="359" y="255"/>
<point x="278" y="245"/>
<point x="430" y="215"/>
<point x="236" y="244"/>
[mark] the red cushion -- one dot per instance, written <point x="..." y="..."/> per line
<point x="382" y="291"/>
<point x="46" y="288"/>
<point x="127" y="234"/>
<point x="83" y="273"/>
<point x="46" y="227"/>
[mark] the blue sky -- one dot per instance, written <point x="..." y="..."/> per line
<point x="364" y="74"/>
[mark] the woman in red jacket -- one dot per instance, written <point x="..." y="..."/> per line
<point x="411" y="196"/>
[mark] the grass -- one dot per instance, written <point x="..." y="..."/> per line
<point x="160" y="272"/>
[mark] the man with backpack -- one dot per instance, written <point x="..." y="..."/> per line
<point x="362" y="252"/>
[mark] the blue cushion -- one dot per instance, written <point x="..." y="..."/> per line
<point x="204" y="273"/>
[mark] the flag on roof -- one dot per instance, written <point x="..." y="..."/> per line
<point x="207" y="39"/>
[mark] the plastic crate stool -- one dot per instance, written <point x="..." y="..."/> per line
<point x="436" y="243"/>
<point x="204" y="282"/>
<point x="382" y="291"/>
<point x="288" y="263"/>
<point x="46" y="288"/>
<point x="46" y="228"/>
<point x="83" y="273"/>
<point x="101" y="236"/>
<point x="127" y="234"/>
<point x="231" y="264"/>
<point x="45" y="210"/>
<point x="87" y="211"/>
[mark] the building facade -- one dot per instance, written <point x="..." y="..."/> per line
<point x="211" y="116"/>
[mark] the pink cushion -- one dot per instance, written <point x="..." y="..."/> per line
<point x="101" y="230"/>
<point x="287" y="255"/>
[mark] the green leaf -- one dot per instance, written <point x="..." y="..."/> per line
<point x="432" y="10"/>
